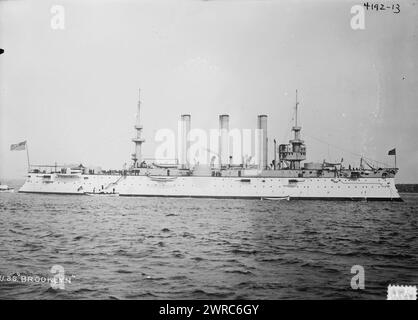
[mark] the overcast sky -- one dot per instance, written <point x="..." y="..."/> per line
<point x="72" y="93"/>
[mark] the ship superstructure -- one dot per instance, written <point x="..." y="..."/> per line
<point x="285" y="178"/>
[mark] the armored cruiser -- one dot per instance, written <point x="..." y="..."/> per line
<point x="285" y="178"/>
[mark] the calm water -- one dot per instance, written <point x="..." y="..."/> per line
<point x="150" y="248"/>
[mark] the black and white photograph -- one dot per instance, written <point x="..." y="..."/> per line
<point x="208" y="156"/>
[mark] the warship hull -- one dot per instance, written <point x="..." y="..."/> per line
<point x="216" y="187"/>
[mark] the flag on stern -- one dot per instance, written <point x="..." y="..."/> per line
<point x="392" y="152"/>
<point x="18" y="146"/>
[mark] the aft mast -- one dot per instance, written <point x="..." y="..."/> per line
<point x="296" y="109"/>
<point x="294" y="152"/>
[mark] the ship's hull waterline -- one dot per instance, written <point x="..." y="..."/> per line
<point x="217" y="187"/>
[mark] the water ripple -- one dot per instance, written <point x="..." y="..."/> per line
<point x="149" y="248"/>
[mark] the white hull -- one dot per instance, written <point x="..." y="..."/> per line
<point x="217" y="187"/>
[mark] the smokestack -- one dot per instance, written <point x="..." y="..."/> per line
<point x="262" y="141"/>
<point x="185" y="143"/>
<point x="224" y="140"/>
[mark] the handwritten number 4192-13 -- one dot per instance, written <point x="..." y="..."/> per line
<point x="396" y="8"/>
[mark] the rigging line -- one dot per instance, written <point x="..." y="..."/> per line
<point x="346" y="150"/>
